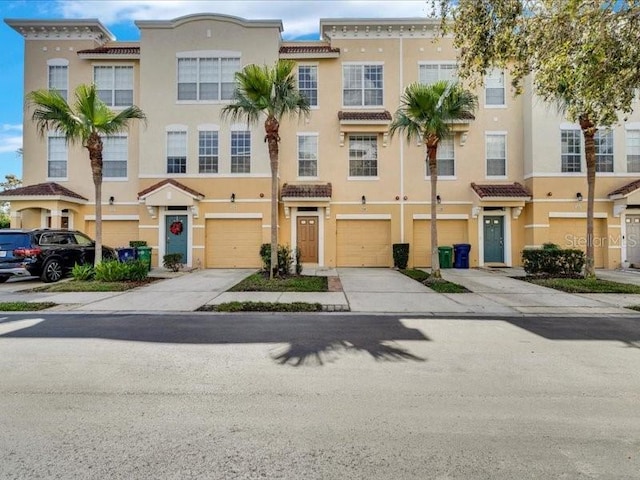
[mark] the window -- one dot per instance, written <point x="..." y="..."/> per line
<point x="496" y="148"/>
<point x="241" y="152"/>
<point x="207" y="78"/>
<point x="432" y="72"/>
<point x="114" y="156"/>
<point x="56" y="157"/>
<point x="115" y="85"/>
<point x="633" y="151"/>
<point x="307" y="155"/>
<point x="494" y="87"/>
<point x="58" y="79"/>
<point x="362" y="85"/>
<point x="604" y="150"/>
<point x="363" y="156"/>
<point x="176" y="152"/>
<point x="208" y="152"/>
<point x="445" y="158"/>
<point x="308" y="83"/>
<point x="570" y="150"/>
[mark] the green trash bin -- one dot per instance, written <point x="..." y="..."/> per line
<point x="144" y="254"/>
<point x="445" y="254"/>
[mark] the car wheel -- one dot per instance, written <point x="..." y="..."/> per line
<point x="52" y="271"/>
<point x="4" y="278"/>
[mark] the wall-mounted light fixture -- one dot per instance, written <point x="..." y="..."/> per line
<point x="233" y="197"/>
<point x="111" y="200"/>
<point x="364" y="199"/>
<point x="438" y="199"/>
<point x="579" y="196"/>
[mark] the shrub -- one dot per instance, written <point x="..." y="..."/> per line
<point x="298" y="264"/>
<point x="114" y="271"/>
<point x="137" y="243"/>
<point x="550" y="246"/>
<point x="138" y="271"/>
<point x="553" y="261"/>
<point x="285" y="259"/>
<point x="82" y="272"/>
<point x="400" y="255"/>
<point x="172" y="261"/>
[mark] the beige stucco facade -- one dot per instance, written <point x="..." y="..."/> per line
<point x="355" y="218"/>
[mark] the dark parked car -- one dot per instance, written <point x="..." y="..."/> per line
<point x="46" y="253"/>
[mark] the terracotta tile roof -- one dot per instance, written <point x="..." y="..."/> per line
<point x="307" y="49"/>
<point x="626" y="189"/>
<point x="48" y="189"/>
<point x="386" y="116"/>
<point x="128" y="50"/>
<point x="170" y="181"/>
<point x="501" y="190"/>
<point x="306" y="191"/>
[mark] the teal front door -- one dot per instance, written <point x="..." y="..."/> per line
<point x="494" y="239"/>
<point x="177" y="235"/>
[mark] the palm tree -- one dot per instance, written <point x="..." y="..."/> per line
<point x="272" y="92"/>
<point x="426" y="113"/>
<point x="84" y="122"/>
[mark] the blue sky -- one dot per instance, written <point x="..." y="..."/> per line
<point x="300" y="19"/>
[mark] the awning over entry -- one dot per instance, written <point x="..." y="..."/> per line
<point x="625" y="196"/>
<point x="306" y="195"/>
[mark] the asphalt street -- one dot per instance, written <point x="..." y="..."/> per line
<point x="318" y="396"/>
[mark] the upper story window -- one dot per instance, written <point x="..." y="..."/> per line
<point x="496" y="149"/>
<point x="362" y="85"/>
<point x="208" y="151"/>
<point x="58" y="72"/>
<point x="570" y="150"/>
<point x="307" y="155"/>
<point x="176" y="152"/>
<point x="604" y="150"/>
<point x="363" y="156"/>
<point x="207" y="78"/>
<point x="308" y="83"/>
<point x="115" y="153"/>
<point x="633" y="151"/>
<point x="445" y="158"/>
<point x="241" y="151"/>
<point x="433" y="72"/>
<point x="56" y="156"/>
<point x="494" y="88"/>
<point x="114" y="85"/>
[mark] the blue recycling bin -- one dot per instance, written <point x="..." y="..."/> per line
<point x="461" y="255"/>
<point x="126" y="254"/>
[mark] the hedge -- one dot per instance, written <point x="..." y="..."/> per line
<point x="553" y="261"/>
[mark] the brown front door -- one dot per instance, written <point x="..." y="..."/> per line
<point x="308" y="239"/>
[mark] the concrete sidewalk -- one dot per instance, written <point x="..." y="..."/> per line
<point x="365" y="290"/>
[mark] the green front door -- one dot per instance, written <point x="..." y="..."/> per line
<point x="493" y="239"/>
<point x="177" y="235"/>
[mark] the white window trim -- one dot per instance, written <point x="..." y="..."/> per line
<point x="117" y="64"/>
<point x="308" y="134"/>
<point x="234" y="129"/>
<point x="455" y="170"/>
<point x="53" y="179"/>
<point x="180" y="129"/>
<point x="506" y="155"/>
<point x="434" y="62"/>
<point x="126" y="177"/>
<point x="317" y="65"/>
<point x="504" y="89"/>
<point x="198" y="54"/>
<point x="58" y="62"/>
<point x="209" y="127"/>
<point x="361" y="107"/>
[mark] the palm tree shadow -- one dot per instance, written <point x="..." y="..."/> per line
<point x="316" y="353"/>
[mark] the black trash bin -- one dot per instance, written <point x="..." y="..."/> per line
<point x="126" y="254"/>
<point x="461" y="255"/>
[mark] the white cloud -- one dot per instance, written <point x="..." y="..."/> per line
<point x="10" y="143"/>
<point x="11" y="127"/>
<point x="299" y="17"/>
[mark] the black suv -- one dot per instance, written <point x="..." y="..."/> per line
<point x="46" y="253"/>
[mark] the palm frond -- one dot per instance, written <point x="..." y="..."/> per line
<point x="52" y="112"/>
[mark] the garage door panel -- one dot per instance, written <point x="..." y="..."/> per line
<point x="572" y="233"/>
<point x="115" y="233"/>
<point x="450" y="232"/>
<point x="233" y="243"/>
<point x="364" y="243"/>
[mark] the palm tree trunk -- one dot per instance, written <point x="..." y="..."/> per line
<point x="272" y="126"/>
<point x="432" y="148"/>
<point x="94" y="145"/>
<point x="589" y="131"/>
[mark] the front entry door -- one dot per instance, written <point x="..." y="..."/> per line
<point x="494" y="239"/>
<point x="307" y="240"/>
<point x="177" y="235"/>
<point x="632" y="224"/>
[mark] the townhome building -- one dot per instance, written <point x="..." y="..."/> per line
<point x="189" y="181"/>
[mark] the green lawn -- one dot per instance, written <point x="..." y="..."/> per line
<point x="262" y="307"/>
<point x="90" y="286"/>
<point x="259" y="282"/>
<point x="583" y="285"/>
<point x="24" y="306"/>
<point x="439" y="285"/>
